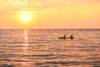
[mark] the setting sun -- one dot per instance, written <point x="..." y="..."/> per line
<point x="26" y="17"/>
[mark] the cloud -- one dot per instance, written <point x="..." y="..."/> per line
<point x="41" y="4"/>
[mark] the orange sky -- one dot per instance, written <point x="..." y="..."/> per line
<point x="50" y="13"/>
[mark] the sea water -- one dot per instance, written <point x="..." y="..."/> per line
<point x="43" y="48"/>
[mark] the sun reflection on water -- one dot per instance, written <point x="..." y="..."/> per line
<point x="26" y="41"/>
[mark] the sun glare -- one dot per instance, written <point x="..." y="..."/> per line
<point x="26" y="17"/>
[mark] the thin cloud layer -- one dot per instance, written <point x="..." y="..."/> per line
<point x="51" y="13"/>
<point x="42" y="4"/>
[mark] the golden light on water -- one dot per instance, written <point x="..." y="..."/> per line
<point x="26" y="36"/>
<point x="26" y="40"/>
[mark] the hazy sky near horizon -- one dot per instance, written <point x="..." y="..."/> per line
<point x="50" y="13"/>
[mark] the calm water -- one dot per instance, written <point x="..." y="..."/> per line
<point x="42" y="48"/>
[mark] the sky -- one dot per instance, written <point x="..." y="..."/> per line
<point x="50" y="14"/>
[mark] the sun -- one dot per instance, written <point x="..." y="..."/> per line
<point x="26" y="17"/>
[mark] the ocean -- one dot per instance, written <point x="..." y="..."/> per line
<point x="43" y="48"/>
